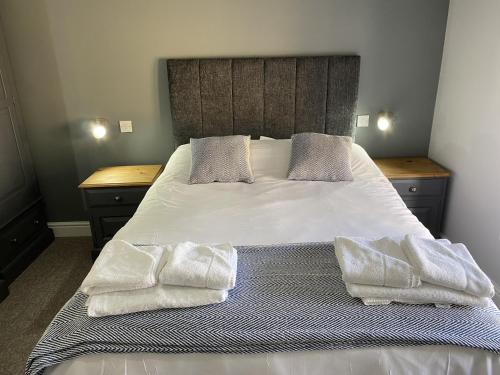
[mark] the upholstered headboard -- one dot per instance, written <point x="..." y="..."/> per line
<point x="271" y="96"/>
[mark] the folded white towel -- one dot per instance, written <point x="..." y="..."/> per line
<point x="374" y="262"/>
<point x="381" y="301"/>
<point x="426" y="293"/>
<point x="201" y="266"/>
<point x="122" y="266"/>
<point x="154" y="298"/>
<point x="448" y="265"/>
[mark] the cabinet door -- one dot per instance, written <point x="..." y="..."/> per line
<point x="428" y="212"/>
<point x="106" y="221"/>
<point x="18" y="188"/>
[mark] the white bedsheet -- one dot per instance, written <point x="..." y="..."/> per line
<point x="272" y="209"/>
<point x="425" y="360"/>
<point x="275" y="210"/>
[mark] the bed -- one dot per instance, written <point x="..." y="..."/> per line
<point x="257" y="97"/>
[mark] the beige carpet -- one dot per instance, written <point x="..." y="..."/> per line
<point x="37" y="295"/>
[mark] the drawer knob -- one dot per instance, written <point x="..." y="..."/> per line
<point x="14" y="240"/>
<point x="36" y="221"/>
<point x="413" y="189"/>
<point x="118" y="198"/>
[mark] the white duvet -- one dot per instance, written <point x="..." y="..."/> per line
<point x="272" y="209"/>
<point x="275" y="210"/>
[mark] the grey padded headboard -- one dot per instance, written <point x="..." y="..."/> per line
<point x="271" y="96"/>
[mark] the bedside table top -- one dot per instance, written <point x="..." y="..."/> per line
<point x="127" y="176"/>
<point x="410" y="167"/>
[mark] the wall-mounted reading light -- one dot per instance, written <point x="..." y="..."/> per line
<point x="98" y="128"/>
<point x="384" y="121"/>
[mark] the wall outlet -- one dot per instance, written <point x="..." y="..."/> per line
<point x="363" y="121"/>
<point x="126" y="126"/>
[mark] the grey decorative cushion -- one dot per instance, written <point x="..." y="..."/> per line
<point x="320" y="157"/>
<point x="221" y="159"/>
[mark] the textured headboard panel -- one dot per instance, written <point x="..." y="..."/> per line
<point x="271" y="96"/>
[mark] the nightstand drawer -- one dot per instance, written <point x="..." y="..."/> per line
<point x="431" y="187"/>
<point x="114" y="197"/>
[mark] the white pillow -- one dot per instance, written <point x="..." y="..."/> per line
<point x="270" y="159"/>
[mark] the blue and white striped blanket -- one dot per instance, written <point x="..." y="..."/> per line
<point x="288" y="297"/>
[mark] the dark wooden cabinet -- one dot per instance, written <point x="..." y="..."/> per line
<point x="22" y="240"/>
<point x="4" y="290"/>
<point x="23" y="229"/>
<point x="422" y="185"/>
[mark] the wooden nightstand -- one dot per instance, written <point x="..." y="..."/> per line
<point x="422" y="185"/>
<point x="111" y="196"/>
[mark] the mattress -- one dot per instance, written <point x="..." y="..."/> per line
<point x="274" y="210"/>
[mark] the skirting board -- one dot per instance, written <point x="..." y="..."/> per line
<point x="70" y="228"/>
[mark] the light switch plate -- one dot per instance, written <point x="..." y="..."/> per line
<point x="126" y="126"/>
<point x="363" y="121"/>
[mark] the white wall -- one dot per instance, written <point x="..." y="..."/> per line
<point x="466" y="130"/>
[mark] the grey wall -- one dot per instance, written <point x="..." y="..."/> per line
<point x="75" y="60"/>
<point x="38" y="83"/>
<point x="466" y="131"/>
